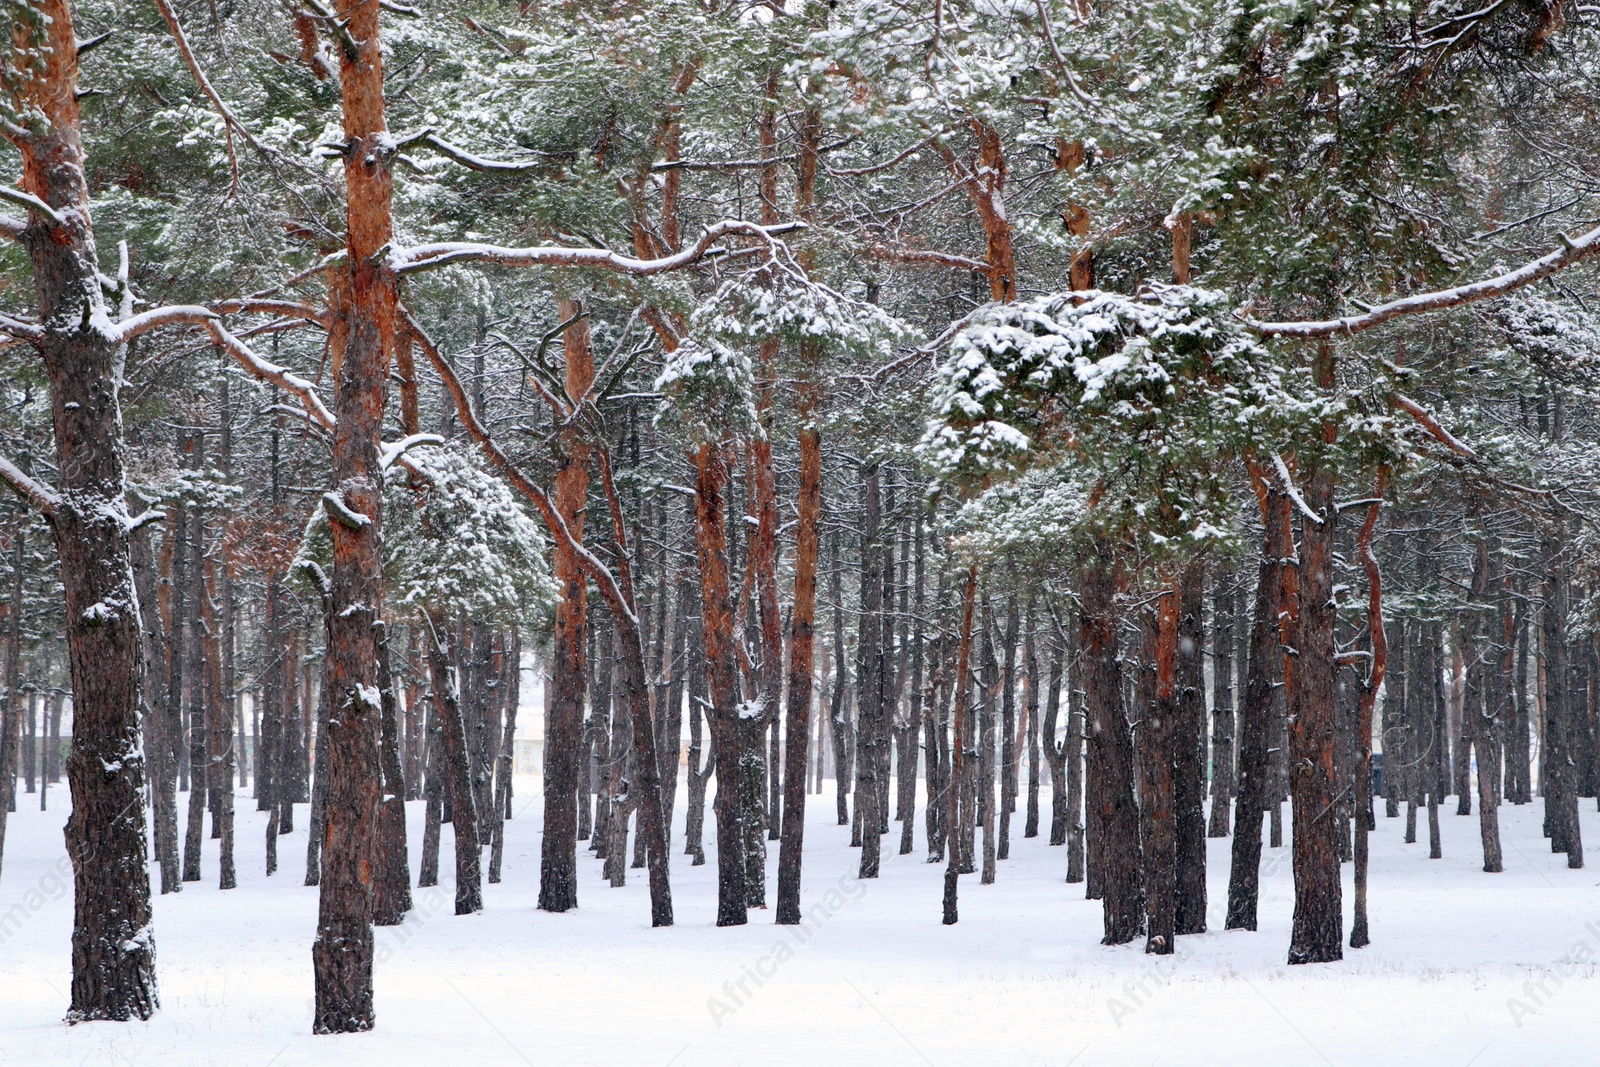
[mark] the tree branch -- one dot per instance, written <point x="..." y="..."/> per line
<point x="587" y="561"/>
<point x="42" y="498"/>
<point x="1432" y="425"/>
<point x="28" y="200"/>
<point x="941" y="259"/>
<point x="230" y="121"/>
<point x="1573" y="250"/>
<point x="425" y="257"/>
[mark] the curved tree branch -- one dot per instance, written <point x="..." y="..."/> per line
<point x="425" y="257"/>
<point x="1573" y="250"/>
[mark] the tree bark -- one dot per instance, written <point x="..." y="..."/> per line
<point x="558" y="862"/>
<point x="113" y="947"/>
<point x="1189" y="753"/>
<point x="1311" y="681"/>
<point x="802" y="639"/>
<point x="1158" y="735"/>
<point x="1118" y="851"/>
<point x="455" y="773"/>
<point x="716" y="613"/>
<point x="392" y="890"/>
<point x="963" y="668"/>
<point x="1256" y="709"/>
<point x="1224" y="779"/>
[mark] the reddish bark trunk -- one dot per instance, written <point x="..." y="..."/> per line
<point x="362" y="340"/>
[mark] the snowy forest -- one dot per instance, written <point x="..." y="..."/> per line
<point x="1023" y="531"/>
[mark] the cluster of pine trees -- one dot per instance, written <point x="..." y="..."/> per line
<point x="1159" y="404"/>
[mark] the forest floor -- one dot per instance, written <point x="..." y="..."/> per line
<point x="1466" y="969"/>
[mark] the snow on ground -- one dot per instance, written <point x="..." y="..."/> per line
<point x="1465" y="968"/>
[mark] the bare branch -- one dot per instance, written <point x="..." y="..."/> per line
<point x="941" y="259"/>
<point x="288" y="308"/>
<point x="587" y="561"/>
<point x="42" y="498"/>
<point x="1573" y="250"/>
<point x="229" y="119"/>
<point x="424" y="257"/>
<point x="1432" y="425"/>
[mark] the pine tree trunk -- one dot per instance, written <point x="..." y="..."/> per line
<point x="1117" y="853"/>
<point x="869" y="675"/>
<point x="1318" y="930"/>
<point x="838" y="713"/>
<point x="12" y="714"/>
<point x="1189" y="753"/>
<point x="455" y="774"/>
<point x="1256" y="709"/>
<point x="1071" y="767"/>
<point x="960" y="689"/>
<point x="194" y="670"/>
<point x="1560" y="792"/>
<point x="113" y="948"/>
<point x="433" y="799"/>
<point x="802" y="640"/>
<point x="1008" y="732"/>
<point x="392" y="890"/>
<point x="1158" y="736"/>
<point x="1223" y="776"/>
<point x="716" y="613"/>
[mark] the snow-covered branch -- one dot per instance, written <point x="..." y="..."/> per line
<point x="390" y="454"/>
<point x="28" y="200"/>
<point x="1432" y="425"/>
<point x="286" y="308"/>
<point x="1294" y="494"/>
<point x="467" y="159"/>
<point x="35" y="493"/>
<point x="342" y="513"/>
<point x="171" y="315"/>
<point x="939" y="259"/>
<point x="424" y="257"/>
<point x="268" y="371"/>
<point x="12" y="227"/>
<point x="1573" y="250"/>
<point x="22" y="330"/>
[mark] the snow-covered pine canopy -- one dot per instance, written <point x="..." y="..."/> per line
<point x="1145" y="395"/>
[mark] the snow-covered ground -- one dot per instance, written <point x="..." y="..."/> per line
<point x="1465" y="968"/>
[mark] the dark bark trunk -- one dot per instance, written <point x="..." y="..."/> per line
<point x="392" y="890"/>
<point x="1158" y="758"/>
<point x="1560" y="791"/>
<point x="1310" y="684"/>
<point x="1117" y="852"/>
<point x="113" y="948"/>
<point x="1189" y="754"/>
<point x="869" y="675"/>
<point x="194" y="669"/>
<point x="1256" y="710"/>
<point x="960" y="688"/>
<point x="455" y="774"/>
<point x="1008" y="732"/>
<point x="1224" y="779"/>
<point x="802" y="639"/>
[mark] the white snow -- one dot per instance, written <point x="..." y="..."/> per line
<point x="1465" y="967"/>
